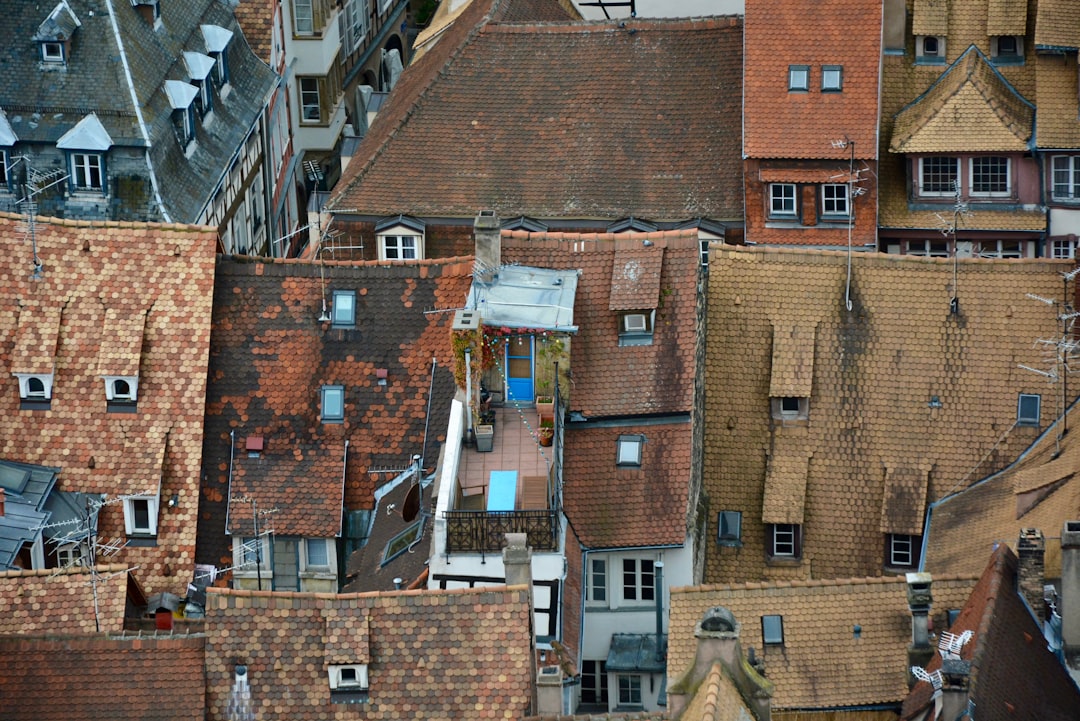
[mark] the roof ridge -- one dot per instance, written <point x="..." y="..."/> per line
<point x="71" y="571"/>
<point x="814" y="583"/>
<point x="99" y="223"/>
<point x="315" y="595"/>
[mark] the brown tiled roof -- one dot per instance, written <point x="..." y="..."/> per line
<point x="930" y="17"/>
<point x="717" y="699"/>
<point x="270" y="355"/>
<point x="93" y="271"/>
<point x="662" y="374"/>
<point x="1006" y="17"/>
<point x="904" y="500"/>
<point x="62" y="601"/>
<point x="782" y="124"/>
<point x="618" y="506"/>
<point x="430" y="654"/>
<point x="533" y="11"/>
<point x="785" y="478"/>
<point x="367" y="569"/>
<point x="635" y="278"/>
<point x="1057" y="24"/>
<point x="256" y="19"/>
<point x="1012" y="670"/>
<point x="1041" y="491"/>
<point x="792" y="359"/>
<point x="301" y="487"/>
<point x="59" y="678"/>
<point x="876" y="370"/>
<point x="1056" y="122"/>
<point x="822" y="664"/>
<point x="656" y="134"/>
<point x="971" y="108"/>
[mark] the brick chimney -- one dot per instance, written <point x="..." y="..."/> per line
<point x="718" y="643"/>
<point x="919" y="599"/>
<point x="487" y="235"/>
<point x="517" y="561"/>
<point x="1070" y="586"/>
<point x="1031" y="550"/>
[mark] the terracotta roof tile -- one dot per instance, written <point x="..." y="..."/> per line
<point x="161" y="275"/>
<point x="256" y="20"/>
<point x="635" y="278"/>
<point x="785" y="480"/>
<point x="62" y="601"/>
<point x="876" y="370"/>
<point x="1006" y="17"/>
<point x="434" y="654"/>
<point x="819" y="615"/>
<point x="1057" y="24"/>
<point x="548" y="136"/>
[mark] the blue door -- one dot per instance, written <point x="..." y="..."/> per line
<point x="519" y="369"/>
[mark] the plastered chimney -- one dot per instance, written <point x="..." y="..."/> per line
<point x="487" y="235"/>
<point x="1070" y="585"/>
<point x="919" y="600"/>
<point x="1031" y="550"/>
<point x="517" y="561"/>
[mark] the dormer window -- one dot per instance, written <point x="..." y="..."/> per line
<point x="790" y="408"/>
<point x="929" y="49"/>
<point x="35" y="390"/>
<point x="400" y="238"/>
<point x="140" y="515"/>
<point x="85" y="145"/>
<point x="217" y="40"/>
<point x="636" y="327"/>
<point x="348" y="682"/>
<point x="54" y="35"/>
<point x="1007" y="49"/>
<point x="149" y="10"/>
<point x="121" y="393"/>
<point x="52" y="52"/>
<point x="199" y="67"/>
<point x="182" y="99"/>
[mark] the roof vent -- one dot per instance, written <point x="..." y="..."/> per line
<point x="255" y="446"/>
<point x="466" y="320"/>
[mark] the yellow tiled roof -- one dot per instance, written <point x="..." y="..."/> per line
<point x="930" y="17"/>
<point x="792" y="359"/>
<point x="1006" y="17"/>
<point x="971" y="108"/>
<point x="1056" y="121"/>
<point x="1057" y="24"/>
<point x="35" y="338"/>
<point x="904" y="500"/>
<point x="822" y="663"/>
<point x="785" y="479"/>
<point x="876" y="370"/>
<point x="717" y="699"/>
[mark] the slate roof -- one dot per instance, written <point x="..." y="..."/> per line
<point x="462" y="653"/>
<point x="270" y="355"/>
<point x="782" y="124"/>
<point x="876" y="370"/>
<point x="163" y="273"/>
<point x="57" y="678"/>
<point x="25" y="491"/>
<point x="970" y="108"/>
<point x="550" y="136"/>
<point x="1013" y="673"/>
<point x="663" y="373"/>
<point x="62" y="601"/>
<point x="1041" y="490"/>
<point x="821" y="664"/>
<point x="42" y="105"/>
<point x="614" y="506"/>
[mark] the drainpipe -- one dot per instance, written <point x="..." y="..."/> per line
<point x="659" y="569"/>
<point x="468" y="394"/>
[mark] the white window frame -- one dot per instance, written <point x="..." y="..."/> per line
<point x="343" y="309"/>
<point x="206" y="97"/>
<point x="1069" y="165"/>
<point x="729" y="528"/>
<point x="798" y="78"/>
<point x="348" y="677"/>
<point x="131" y="526"/>
<point x="1001" y="249"/>
<point x="83" y="165"/>
<point x="785" y="540"/>
<point x="832" y="78"/>
<point x="304" y="89"/>
<point x="303" y="17"/>
<point x="317" y="568"/>
<point x="53" y="57"/>
<point x="783" y="199"/>
<point x="990" y="193"/>
<point x="596" y="581"/>
<point x="790" y="408"/>
<point x="262" y="552"/>
<point x="928" y="248"/>
<point x="356" y="12"/>
<point x="834" y="205"/>
<point x="923" y="170"/>
<point x="332" y="416"/>
<point x="903" y="550"/>
<point x="24" y="386"/>
<point x="111" y="394"/>
<point x="1062" y="248"/>
<point x="1027" y="419"/>
<point x="5" y="175"/>
<point x="395" y="246"/>
<point x="638" y="581"/>
<point x="69" y="555"/>
<point x="629" y="691"/>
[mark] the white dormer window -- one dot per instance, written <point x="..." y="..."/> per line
<point x="54" y="34"/>
<point x="140" y="515"/>
<point x="636" y="327"/>
<point x="400" y="238"/>
<point x="121" y="389"/>
<point x="351" y="677"/>
<point x="87" y="172"/>
<point x="36" y="387"/>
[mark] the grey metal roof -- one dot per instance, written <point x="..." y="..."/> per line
<point x="407" y="220"/>
<point x="26" y="487"/>
<point x="524" y="297"/>
<point x="74" y="515"/>
<point x="7" y="135"/>
<point x="637" y="652"/>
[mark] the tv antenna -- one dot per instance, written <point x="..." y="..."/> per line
<point x="268" y="532"/>
<point x="853" y="191"/>
<point x="410" y="507"/>
<point x="37" y="182"/>
<point x="949" y="225"/>
<point x="934" y="679"/>
<point x="950" y="644"/>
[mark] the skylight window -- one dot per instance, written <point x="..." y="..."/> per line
<point x="629" y="450"/>
<point x="344" y="309"/>
<point x="333" y="404"/>
<point x="772" y="630"/>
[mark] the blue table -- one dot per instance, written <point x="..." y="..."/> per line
<point x="502" y="490"/>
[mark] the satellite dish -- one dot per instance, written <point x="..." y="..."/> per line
<point x="411" y="506"/>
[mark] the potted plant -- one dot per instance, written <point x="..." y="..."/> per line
<point x="550" y="357"/>
<point x="547" y="431"/>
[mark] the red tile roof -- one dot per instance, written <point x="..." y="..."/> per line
<point x="59" y="678"/>
<point x="462" y="653"/>
<point x="256" y="20"/>
<point x="160" y="275"/>
<point x="610" y="380"/>
<point x="614" y="506"/>
<point x="783" y="124"/>
<point x="270" y="355"/>
<point x="54" y="601"/>
<point x="578" y="120"/>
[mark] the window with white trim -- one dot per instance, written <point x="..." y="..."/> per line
<point x="938" y="175"/>
<point x="782" y="200"/>
<point x="902" y="550"/>
<point x="251" y="556"/>
<point x="343" y="309"/>
<point x="87" y="172"/>
<point x="783" y="541"/>
<point x="1062" y="248"/>
<point x="70" y="555"/>
<point x="990" y="176"/>
<point x="798" y="78"/>
<point x="1028" y="409"/>
<point x="121" y="389"/>
<point x="52" y="52"/>
<point x="303" y="17"/>
<point x="333" y="404"/>
<point x="629" y="690"/>
<point x="205" y="96"/>
<point x="628" y="450"/>
<point x="596" y="580"/>
<point x="729" y="528"/>
<point x="140" y="515"/>
<point x="928" y="248"/>
<point x="310" y="105"/>
<point x="594" y="686"/>
<point x="348" y="677"/>
<point x="316" y="556"/>
<point x="929" y="49"/>
<point x="1066" y="177"/>
<point x="400" y="247"/>
<point x="1001" y="249"/>
<point x="356" y="12"/>
<point x="35" y="386"/>
<point x="834" y="200"/>
<point x="638" y="579"/>
<point x="832" y="78"/>
<point x="636" y="327"/>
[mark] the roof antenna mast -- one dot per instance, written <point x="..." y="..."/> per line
<point x="36" y="183"/>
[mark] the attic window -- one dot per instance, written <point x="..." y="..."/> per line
<point x="52" y="52"/>
<point x="1027" y="409"/>
<point x="902" y="550"/>
<point x="402" y="542"/>
<point x="772" y="630"/>
<point x="121" y="393"/>
<point x="333" y="404"/>
<point x="1007" y="49"/>
<point x="140" y="516"/>
<point x="798" y="78"/>
<point x="343" y="314"/>
<point x="832" y="78"/>
<point x="348" y="682"/>
<point x="790" y="408"/>
<point x="929" y="49"/>
<point x="629" y="450"/>
<point x="729" y="528"/>
<point x="636" y="327"/>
